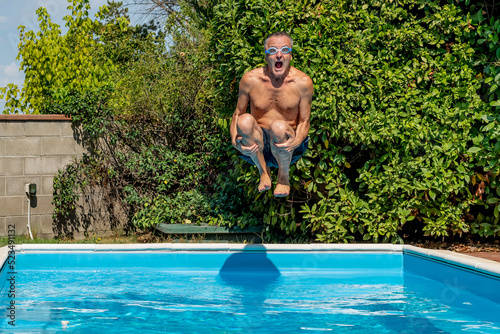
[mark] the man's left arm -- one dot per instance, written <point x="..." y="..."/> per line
<point x="306" y="92"/>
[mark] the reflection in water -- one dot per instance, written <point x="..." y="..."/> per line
<point x="244" y="267"/>
<point x="253" y="277"/>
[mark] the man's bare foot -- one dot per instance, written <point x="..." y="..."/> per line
<point x="282" y="190"/>
<point x="283" y="185"/>
<point x="265" y="181"/>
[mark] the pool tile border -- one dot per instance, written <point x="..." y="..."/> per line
<point x="474" y="263"/>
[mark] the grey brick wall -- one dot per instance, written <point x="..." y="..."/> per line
<point x="32" y="149"/>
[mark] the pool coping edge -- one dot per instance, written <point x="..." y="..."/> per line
<point x="4" y="254"/>
<point x="221" y="247"/>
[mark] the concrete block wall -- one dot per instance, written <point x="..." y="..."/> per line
<point x="32" y="150"/>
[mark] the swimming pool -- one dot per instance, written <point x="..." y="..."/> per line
<point x="231" y="288"/>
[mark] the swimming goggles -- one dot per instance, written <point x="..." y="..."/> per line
<point x="273" y="50"/>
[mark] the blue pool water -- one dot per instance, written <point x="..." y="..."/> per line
<point x="255" y="292"/>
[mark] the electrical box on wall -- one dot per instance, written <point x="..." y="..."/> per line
<point x="31" y="189"/>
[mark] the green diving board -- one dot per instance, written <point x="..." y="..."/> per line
<point x="205" y="229"/>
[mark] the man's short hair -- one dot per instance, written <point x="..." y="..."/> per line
<point x="278" y="34"/>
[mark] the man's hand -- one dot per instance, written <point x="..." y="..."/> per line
<point x="289" y="145"/>
<point x="245" y="150"/>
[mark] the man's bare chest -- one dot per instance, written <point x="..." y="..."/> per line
<point x="267" y="98"/>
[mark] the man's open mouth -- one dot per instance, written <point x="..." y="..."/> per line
<point x="278" y="64"/>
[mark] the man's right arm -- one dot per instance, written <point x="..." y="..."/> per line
<point x="241" y="107"/>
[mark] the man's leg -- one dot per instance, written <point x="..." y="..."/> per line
<point x="251" y="134"/>
<point x="280" y="133"/>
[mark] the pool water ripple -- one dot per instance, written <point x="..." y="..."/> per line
<point x="178" y="302"/>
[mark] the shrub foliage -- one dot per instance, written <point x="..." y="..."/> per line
<point x="155" y="142"/>
<point x="401" y="141"/>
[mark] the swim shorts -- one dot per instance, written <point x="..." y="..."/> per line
<point x="268" y="155"/>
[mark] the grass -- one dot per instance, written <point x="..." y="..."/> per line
<point x="23" y="239"/>
<point x="132" y="239"/>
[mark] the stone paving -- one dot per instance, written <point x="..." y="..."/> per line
<point x="495" y="256"/>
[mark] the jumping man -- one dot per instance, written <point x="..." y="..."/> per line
<point x="274" y="133"/>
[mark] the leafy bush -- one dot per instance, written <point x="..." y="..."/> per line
<point x="395" y="108"/>
<point x="156" y="146"/>
<point x="485" y="151"/>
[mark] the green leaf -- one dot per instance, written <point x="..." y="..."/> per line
<point x="432" y="194"/>
<point x="492" y="200"/>
<point x="488" y="127"/>
<point x="347" y="149"/>
<point x="473" y="150"/>
<point x="447" y="146"/>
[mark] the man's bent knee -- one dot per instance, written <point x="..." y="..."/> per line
<point x="279" y="130"/>
<point x="246" y="124"/>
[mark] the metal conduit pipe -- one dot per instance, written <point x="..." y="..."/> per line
<point x="30" y="191"/>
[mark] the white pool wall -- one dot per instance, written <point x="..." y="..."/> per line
<point x="457" y="259"/>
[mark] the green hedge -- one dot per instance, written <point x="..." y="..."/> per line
<point x="401" y="141"/>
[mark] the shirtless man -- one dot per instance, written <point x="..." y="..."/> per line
<point x="274" y="134"/>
